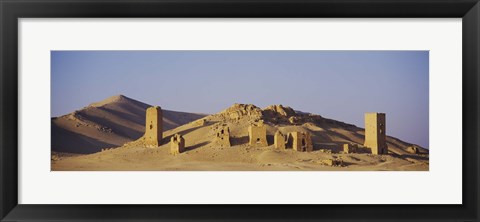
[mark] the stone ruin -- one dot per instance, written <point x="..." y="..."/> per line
<point x="350" y="148"/>
<point x="279" y="141"/>
<point x="223" y="137"/>
<point x="177" y="144"/>
<point x="300" y="141"/>
<point x="257" y="134"/>
<point x="153" y="127"/>
<point x="375" y="135"/>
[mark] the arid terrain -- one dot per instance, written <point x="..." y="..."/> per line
<point x="109" y="123"/>
<point x="107" y="136"/>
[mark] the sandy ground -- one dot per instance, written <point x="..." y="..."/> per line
<point x="237" y="158"/>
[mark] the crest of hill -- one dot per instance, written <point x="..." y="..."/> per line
<point x="108" y="123"/>
<point x="276" y="114"/>
<point x="116" y="100"/>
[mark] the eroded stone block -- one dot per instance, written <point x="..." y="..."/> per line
<point x="177" y="144"/>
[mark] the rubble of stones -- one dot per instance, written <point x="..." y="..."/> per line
<point x="276" y="115"/>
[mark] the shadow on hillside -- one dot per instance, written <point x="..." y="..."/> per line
<point x="196" y="146"/>
<point x="182" y="133"/>
<point x="71" y="142"/>
<point x="116" y="128"/>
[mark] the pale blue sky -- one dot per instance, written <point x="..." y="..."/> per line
<point x="341" y="85"/>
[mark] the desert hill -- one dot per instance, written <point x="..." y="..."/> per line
<point x="108" y="123"/>
<point x="203" y="151"/>
<point x="326" y="133"/>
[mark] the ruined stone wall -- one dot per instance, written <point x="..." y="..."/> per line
<point x="294" y="137"/>
<point x="375" y="134"/>
<point x="177" y="144"/>
<point x="309" y="143"/>
<point x="350" y="148"/>
<point x="153" y="127"/>
<point x="258" y="135"/>
<point x="301" y="141"/>
<point x="279" y="140"/>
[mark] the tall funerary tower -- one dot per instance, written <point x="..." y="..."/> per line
<point x="375" y="135"/>
<point x="153" y="127"/>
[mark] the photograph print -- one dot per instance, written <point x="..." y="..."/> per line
<point x="236" y="110"/>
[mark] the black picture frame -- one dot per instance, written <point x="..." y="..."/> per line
<point x="12" y="10"/>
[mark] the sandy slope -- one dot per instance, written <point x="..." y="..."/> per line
<point x="109" y="123"/>
<point x="203" y="153"/>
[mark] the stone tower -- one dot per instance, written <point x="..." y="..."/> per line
<point x="375" y="135"/>
<point x="258" y="135"/>
<point x="153" y="127"/>
<point x="223" y="137"/>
